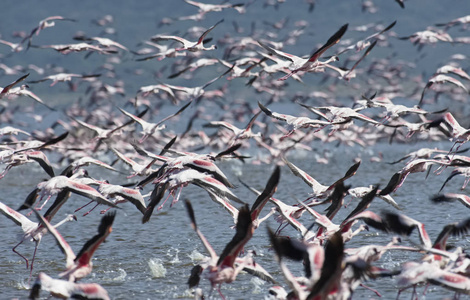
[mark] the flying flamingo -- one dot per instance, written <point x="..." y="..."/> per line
<point x="438" y="79"/>
<point x="64" y="77"/>
<point x="309" y="64"/>
<point x="80" y="265"/>
<point x="240" y="134"/>
<point x="319" y="190"/>
<point x="23" y="91"/>
<point x="362" y="44"/>
<point x="43" y="24"/>
<point x="65" y="289"/>
<point x="454" y="70"/>
<point x="181" y="178"/>
<point x="60" y="183"/>
<point x="7" y="88"/>
<point x="459" y="134"/>
<point x="188" y="45"/>
<point x="123" y="194"/>
<point x="26" y="157"/>
<point x="312" y="255"/>
<point x="414" y="166"/>
<point x="33" y="231"/>
<point x="205" y="8"/>
<point x="464" y="171"/>
<point x="294" y="123"/>
<point x="225" y="268"/>
<point x="448" y="197"/>
<point x="148" y="129"/>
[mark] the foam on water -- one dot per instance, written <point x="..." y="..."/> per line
<point x="121" y="276"/>
<point x="196" y="256"/>
<point x="258" y="285"/>
<point x="173" y="253"/>
<point x="156" y="268"/>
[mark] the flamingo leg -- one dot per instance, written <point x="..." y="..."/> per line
<point x="278" y="231"/>
<point x="45" y="201"/>
<point x="105" y="210"/>
<point x="21" y="255"/>
<point x="220" y="292"/>
<point x="425" y="289"/>
<point x="465" y="183"/>
<point x="175" y="199"/>
<point x="83" y="206"/>
<point x="32" y="260"/>
<point x="91" y="210"/>
<point x="287" y="135"/>
<point x="5" y="171"/>
<point x="161" y="206"/>
<point x="371" y="289"/>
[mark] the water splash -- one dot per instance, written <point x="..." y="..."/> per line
<point x="22" y="284"/>
<point x="121" y="276"/>
<point x="258" y="285"/>
<point x="196" y="256"/>
<point x="156" y="268"/>
<point x="173" y="253"/>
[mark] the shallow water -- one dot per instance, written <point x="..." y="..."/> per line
<point x="153" y="261"/>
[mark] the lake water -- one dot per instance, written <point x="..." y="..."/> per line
<point x="153" y="260"/>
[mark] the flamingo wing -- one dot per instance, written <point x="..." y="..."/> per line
<point x="244" y="232"/>
<point x="61" y="242"/>
<point x="104" y="229"/>
<point x="203" y="239"/>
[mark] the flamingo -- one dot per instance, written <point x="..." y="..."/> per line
<point x="313" y="256"/>
<point x="239" y="134"/>
<point x="9" y="130"/>
<point x="294" y="123"/>
<point x="123" y="194"/>
<point x="15" y="47"/>
<point x="103" y="134"/>
<point x="7" y="88"/>
<point x="26" y="157"/>
<point x="64" y="77"/>
<point x="414" y="166"/>
<point x="78" y="47"/>
<point x="180" y="178"/>
<point x="205" y="7"/>
<point x="309" y="64"/>
<point x="137" y="168"/>
<point x="427" y="37"/>
<point x="226" y="267"/>
<point x="23" y="91"/>
<point x="201" y="62"/>
<point x="43" y="24"/>
<point x="105" y="42"/>
<point x="80" y="265"/>
<point x="148" y="129"/>
<point x="462" y="20"/>
<point x="464" y="171"/>
<point x="438" y="79"/>
<point x="288" y="213"/>
<point x="448" y="197"/>
<point x="362" y="44"/>
<point x="319" y="190"/>
<point x="60" y="183"/>
<point x="188" y="45"/>
<point x="33" y="231"/>
<point x="459" y="134"/>
<point x="65" y="289"/>
<point x="454" y="70"/>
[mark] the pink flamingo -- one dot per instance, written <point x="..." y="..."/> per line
<point x="65" y="289"/>
<point x="80" y="265"/>
<point x="188" y="45"/>
<point x="33" y="231"/>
